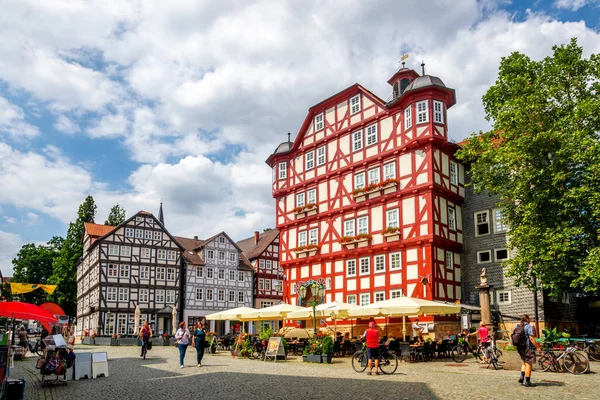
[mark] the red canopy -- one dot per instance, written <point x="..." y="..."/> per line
<point x="53" y="308"/>
<point x="19" y="310"/>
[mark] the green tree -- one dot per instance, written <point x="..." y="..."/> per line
<point x="65" y="265"/>
<point x="33" y="264"/>
<point x="116" y="216"/>
<point x="542" y="158"/>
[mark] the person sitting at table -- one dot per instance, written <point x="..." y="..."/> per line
<point x="417" y="329"/>
<point x="449" y="336"/>
<point x="391" y="339"/>
<point x="420" y="340"/>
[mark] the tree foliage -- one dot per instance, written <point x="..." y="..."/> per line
<point x="65" y="265"/>
<point x="116" y="216"/>
<point x="542" y="158"/>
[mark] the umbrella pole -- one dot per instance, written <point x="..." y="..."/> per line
<point x="403" y="327"/>
<point x="386" y="325"/>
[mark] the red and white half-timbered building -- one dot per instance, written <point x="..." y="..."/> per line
<point x="368" y="196"/>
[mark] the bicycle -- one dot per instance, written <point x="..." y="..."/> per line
<point x="258" y="350"/>
<point x="492" y="353"/>
<point x="37" y="348"/>
<point x="462" y="349"/>
<point x="574" y="362"/>
<point x="388" y="361"/>
<point x="590" y="347"/>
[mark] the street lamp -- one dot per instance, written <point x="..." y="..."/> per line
<point x="318" y="294"/>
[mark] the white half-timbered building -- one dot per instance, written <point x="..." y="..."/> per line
<point x="135" y="263"/>
<point x="218" y="277"/>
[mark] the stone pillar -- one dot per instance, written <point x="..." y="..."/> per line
<point x="227" y="326"/>
<point x="484" y="301"/>
<point x="212" y="326"/>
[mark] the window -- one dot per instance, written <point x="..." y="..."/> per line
<point x="143" y="295"/>
<point x="422" y="112"/>
<point x="389" y="171"/>
<point x="379" y="263"/>
<point x="199" y="294"/>
<point x="241" y="297"/>
<point x="374" y="175"/>
<point x="199" y="272"/>
<point x="503" y="296"/>
<point x="449" y="260"/>
<point x="171" y="255"/>
<point x="232" y="275"/>
<point x="267" y="285"/>
<point x="123" y="294"/>
<point x="451" y="219"/>
<point x="379" y="296"/>
<point x="328" y="283"/>
<point x="122" y="324"/>
<point x="499" y="221"/>
<point x="501" y="254"/>
<point x="363" y="224"/>
<point x="170" y="274"/>
<point x="139" y="219"/>
<point x="359" y="180"/>
<point x="221" y="239"/>
<point x="351" y="267"/>
<point x="300" y="200"/>
<point x="240" y="276"/>
<point x="124" y="271"/>
<point x="349" y="227"/>
<point x="407" y="117"/>
<point x="160" y="273"/>
<point x="161" y="254"/>
<point x="351" y="299"/>
<point x="371" y="134"/>
<point x="357" y="143"/>
<point x="395" y="293"/>
<point x="282" y="170"/>
<point x="438" y="112"/>
<point x="111" y="294"/>
<point x="126" y="251"/>
<point x="565" y="298"/>
<point x="392" y="218"/>
<point x="113" y="250"/>
<point x="453" y="173"/>
<point x="145" y="253"/>
<point x="319" y="122"/>
<point x="395" y="261"/>
<point x="221" y="294"/>
<point x="261" y="264"/>
<point x="268" y="264"/>
<point x="144" y="272"/>
<point x="160" y="296"/>
<point x="310" y="160"/>
<point x="129" y="232"/>
<point x="221" y="256"/>
<point x="321" y="156"/>
<point x="157" y="235"/>
<point x="484" y="257"/>
<point x="210" y="254"/>
<point x="170" y="296"/>
<point x="147" y="234"/>
<point x="292" y="289"/>
<point x="365" y="266"/>
<point x="221" y="273"/>
<point x="482" y="223"/>
<point x="209" y="273"/>
<point x="113" y="269"/>
<point x="355" y="104"/>
<point x="209" y="294"/>
<point x="302" y="238"/>
<point x="139" y="233"/>
<point x="365" y="299"/>
<point x="313" y="236"/>
<point x="231" y="296"/>
<point x="311" y="196"/>
<point x="232" y="257"/>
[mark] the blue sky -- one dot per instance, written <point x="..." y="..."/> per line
<point x="131" y="102"/>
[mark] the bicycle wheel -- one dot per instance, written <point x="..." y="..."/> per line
<point x="546" y="362"/>
<point x="256" y="352"/>
<point x="576" y="363"/>
<point x="388" y="363"/>
<point x="593" y="352"/>
<point x="494" y="361"/>
<point x="357" y="361"/>
<point x="459" y="354"/>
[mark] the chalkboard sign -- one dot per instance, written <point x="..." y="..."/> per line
<point x="275" y="348"/>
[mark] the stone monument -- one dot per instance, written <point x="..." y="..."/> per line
<point x="484" y="298"/>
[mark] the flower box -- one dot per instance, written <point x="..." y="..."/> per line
<point x="351" y="240"/>
<point x="384" y="186"/>
<point x="326" y="358"/>
<point x="310" y="248"/>
<point x="313" y="358"/>
<point x="301" y="211"/>
<point x="114" y="342"/>
<point x="87" y="340"/>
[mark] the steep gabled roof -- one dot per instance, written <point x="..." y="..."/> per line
<point x="190" y="254"/>
<point x="97" y="230"/>
<point x="252" y="250"/>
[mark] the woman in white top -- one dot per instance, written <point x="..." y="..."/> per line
<point x="183" y="340"/>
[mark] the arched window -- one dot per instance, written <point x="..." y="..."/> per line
<point x="396" y="90"/>
<point x="403" y="84"/>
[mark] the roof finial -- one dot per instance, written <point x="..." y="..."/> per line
<point x="161" y="217"/>
<point x="423" y="67"/>
<point x="403" y="65"/>
<point x="289" y="137"/>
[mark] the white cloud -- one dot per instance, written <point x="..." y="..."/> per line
<point x="573" y="5"/>
<point x="10" y="244"/>
<point x="10" y="220"/>
<point x="65" y="125"/>
<point x="112" y="125"/>
<point x="12" y="121"/>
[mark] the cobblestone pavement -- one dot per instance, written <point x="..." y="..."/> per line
<point x="221" y="377"/>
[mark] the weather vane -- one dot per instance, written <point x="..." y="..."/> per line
<point x="404" y="57"/>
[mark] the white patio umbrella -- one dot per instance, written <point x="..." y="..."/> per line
<point x="137" y="315"/>
<point x="277" y="312"/>
<point x="403" y="306"/>
<point x="239" y="313"/>
<point x="174" y="318"/>
<point x="333" y="309"/>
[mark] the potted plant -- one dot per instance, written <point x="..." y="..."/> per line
<point x="165" y="337"/>
<point x="327" y="350"/>
<point x="86" y="337"/>
<point x="114" y="340"/>
<point x="313" y="351"/>
<point x="212" y="342"/>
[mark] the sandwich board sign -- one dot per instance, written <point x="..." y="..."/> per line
<point x="275" y="348"/>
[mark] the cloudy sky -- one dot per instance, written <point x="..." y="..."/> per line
<point x="131" y="102"/>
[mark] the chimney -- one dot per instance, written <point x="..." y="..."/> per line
<point x="256" y="237"/>
<point x="196" y="237"/>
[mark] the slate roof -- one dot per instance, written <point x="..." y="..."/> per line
<point x="252" y="250"/>
<point x="424" y="81"/>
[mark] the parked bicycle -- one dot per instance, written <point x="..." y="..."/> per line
<point x="591" y="348"/>
<point x="462" y="350"/>
<point x="35" y="348"/>
<point x="573" y="361"/>
<point x="492" y="353"/>
<point x="388" y="361"/>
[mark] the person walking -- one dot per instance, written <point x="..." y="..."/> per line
<point x="23" y="341"/>
<point x="524" y="335"/>
<point x="145" y="334"/>
<point x="182" y="338"/>
<point x="417" y="329"/>
<point x="199" y="341"/>
<point x="372" y="338"/>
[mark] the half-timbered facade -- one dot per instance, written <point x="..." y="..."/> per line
<point x="218" y="277"/>
<point x="368" y="196"/>
<point x="137" y="263"/>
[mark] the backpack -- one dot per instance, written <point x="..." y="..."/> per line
<point x="519" y="337"/>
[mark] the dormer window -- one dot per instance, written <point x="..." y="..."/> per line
<point x="319" y="125"/>
<point x="355" y="104"/>
<point x="403" y="84"/>
<point x="422" y="112"/>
